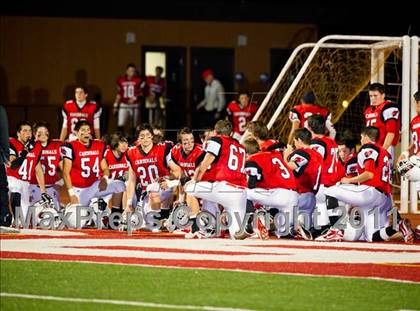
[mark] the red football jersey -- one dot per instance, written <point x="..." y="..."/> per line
<point x="209" y="175"/>
<point x="270" y="171"/>
<point x="117" y="165"/>
<point x="328" y="149"/>
<point x="155" y="86"/>
<point x="241" y="115"/>
<point x="72" y="113"/>
<point x="187" y="162"/>
<point x="130" y="88"/>
<point x="271" y="145"/>
<point x="149" y="167"/>
<point x="350" y="165"/>
<point x="302" y="112"/>
<point x="375" y="159"/>
<point x="229" y="164"/>
<point x="86" y="168"/>
<point x="386" y="117"/>
<point x="27" y="169"/>
<point x="308" y="171"/>
<point x="50" y="161"/>
<point x="415" y="134"/>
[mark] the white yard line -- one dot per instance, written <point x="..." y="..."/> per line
<point x="120" y="302"/>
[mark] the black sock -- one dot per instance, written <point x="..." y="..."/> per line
<point x="384" y="234"/>
<point x="317" y="232"/>
<point x="249" y="206"/>
<point x="164" y="213"/>
<point x="14" y="201"/>
<point x="249" y="226"/>
<point x="194" y="227"/>
<point x="332" y="203"/>
<point x="398" y="216"/>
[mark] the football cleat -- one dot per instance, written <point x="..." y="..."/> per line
<point x="179" y="217"/>
<point x="44" y="209"/>
<point x="332" y="235"/>
<point x="405" y="228"/>
<point x="242" y="235"/>
<point x="260" y="229"/>
<point x="196" y="235"/>
<point x="302" y="232"/>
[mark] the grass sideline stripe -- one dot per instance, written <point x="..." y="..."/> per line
<point x="120" y="302"/>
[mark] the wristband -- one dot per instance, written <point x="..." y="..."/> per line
<point x="130" y="202"/>
<point x="71" y="192"/>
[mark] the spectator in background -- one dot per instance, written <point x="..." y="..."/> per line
<point x="5" y="217"/>
<point x="214" y="99"/>
<point x="155" y="101"/>
<point x="80" y="109"/>
<point x="130" y="91"/>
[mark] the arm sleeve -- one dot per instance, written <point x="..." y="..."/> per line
<point x="370" y="165"/>
<point x="18" y="161"/>
<point x="67" y="151"/>
<point x="213" y="146"/>
<point x="254" y="172"/>
<point x="301" y="160"/>
<point x="391" y="126"/>
<point x="320" y="147"/>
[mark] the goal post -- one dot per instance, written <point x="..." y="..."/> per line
<point x="338" y="68"/>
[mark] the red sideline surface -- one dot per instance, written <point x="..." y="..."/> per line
<point x="408" y="272"/>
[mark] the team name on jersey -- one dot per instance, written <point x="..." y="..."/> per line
<point x="49" y="151"/>
<point x="241" y="113"/>
<point x="186" y="164"/>
<point x="79" y="114"/>
<point x="88" y="153"/>
<point x="416" y="126"/>
<point x="371" y="115"/>
<point x="148" y="160"/>
<point x="117" y="166"/>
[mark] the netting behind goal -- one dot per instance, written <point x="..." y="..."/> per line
<point x="338" y="75"/>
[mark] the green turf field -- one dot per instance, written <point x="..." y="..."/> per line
<point x="193" y="287"/>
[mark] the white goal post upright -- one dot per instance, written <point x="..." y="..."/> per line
<point x="376" y="44"/>
<point x="414" y="87"/>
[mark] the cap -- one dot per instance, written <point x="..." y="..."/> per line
<point x="206" y="73"/>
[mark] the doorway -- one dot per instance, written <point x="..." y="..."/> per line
<point x="221" y="61"/>
<point x="172" y="60"/>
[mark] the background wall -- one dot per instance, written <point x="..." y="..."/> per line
<point x="42" y="58"/>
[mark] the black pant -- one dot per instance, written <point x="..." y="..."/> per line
<point x="4" y="196"/>
<point x="207" y="118"/>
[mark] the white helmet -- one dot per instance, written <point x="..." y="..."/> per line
<point x="99" y="207"/>
<point x="44" y="213"/>
<point x="410" y="168"/>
